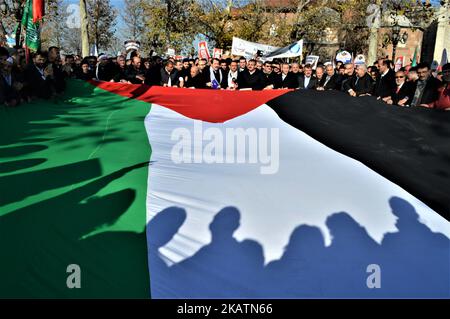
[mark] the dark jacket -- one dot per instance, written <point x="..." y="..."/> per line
<point x="131" y="73"/>
<point x="431" y="91"/>
<point x="255" y="81"/>
<point x="37" y="85"/>
<point x="197" y="82"/>
<point x="311" y="85"/>
<point x="290" y="81"/>
<point x="332" y="82"/>
<point x="361" y="86"/>
<point x="385" y="86"/>
<point x="406" y="91"/>
<point x="165" y="77"/>
<point x="220" y="76"/>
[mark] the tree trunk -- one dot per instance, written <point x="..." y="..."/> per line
<point x="373" y="41"/>
<point x="84" y="29"/>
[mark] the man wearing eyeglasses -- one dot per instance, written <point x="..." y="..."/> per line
<point x="403" y="92"/>
<point x="426" y="88"/>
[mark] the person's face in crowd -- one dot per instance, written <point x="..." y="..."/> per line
<point x="147" y="65"/>
<point x="186" y="65"/>
<point x="85" y="67"/>
<point x="259" y="65"/>
<point x="267" y="68"/>
<point x="7" y="68"/>
<point x="69" y="60"/>
<point x="194" y="71"/>
<point x="121" y="61"/>
<point x="338" y="65"/>
<point x="295" y="68"/>
<point x="215" y="65"/>
<point x="330" y="70"/>
<point x="233" y="66"/>
<point x="3" y="59"/>
<point x="77" y="60"/>
<point x="242" y="64"/>
<point x="446" y="75"/>
<point x="319" y="72"/>
<point x="383" y="67"/>
<point x="179" y="66"/>
<point x="349" y="69"/>
<point x="361" y="71"/>
<point x="412" y="76"/>
<point x="342" y="71"/>
<point x="423" y="73"/>
<point x="39" y="61"/>
<point x="400" y="77"/>
<point x="103" y="61"/>
<point x="201" y="65"/>
<point x="374" y="75"/>
<point x="251" y="66"/>
<point x="285" y="68"/>
<point x="308" y="72"/>
<point x="21" y="53"/>
<point x="53" y="55"/>
<point x="276" y="68"/>
<point x="223" y="65"/>
<point x="136" y="62"/>
<point x="169" y="67"/>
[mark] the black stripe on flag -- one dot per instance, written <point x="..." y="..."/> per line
<point x="408" y="146"/>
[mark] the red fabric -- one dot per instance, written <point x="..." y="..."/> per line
<point x="443" y="102"/>
<point x="38" y="10"/>
<point x="214" y="106"/>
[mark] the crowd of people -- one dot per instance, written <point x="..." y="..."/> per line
<point x="45" y="73"/>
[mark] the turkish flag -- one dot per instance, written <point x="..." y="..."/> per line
<point x="38" y="10"/>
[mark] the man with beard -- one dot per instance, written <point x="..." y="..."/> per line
<point x="215" y="77"/>
<point x="38" y="77"/>
<point x="252" y="78"/>
<point x="134" y="72"/>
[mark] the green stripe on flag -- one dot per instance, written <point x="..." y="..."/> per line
<point x="73" y="187"/>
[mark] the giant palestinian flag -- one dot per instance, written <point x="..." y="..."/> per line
<point x="177" y="193"/>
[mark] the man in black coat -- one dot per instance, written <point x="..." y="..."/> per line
<point x="404" y="91"/>
<point x="134" y="73"/>
<point x="38" y="77"/>
<point x="285" y="80"/>
<point x="426" y="88"/>
<point x="361" y="84"/>
<point x="330" y="79"/>
<point x="306" y="81"/>
<point x="252" y="78"/>
<point x="215" y="76"/>
<point x="385" y="85"/>
<point x="195" y="80"/>
<point x="169" y="75"/>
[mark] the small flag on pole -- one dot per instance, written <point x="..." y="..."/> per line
<point x="414" y="60"/>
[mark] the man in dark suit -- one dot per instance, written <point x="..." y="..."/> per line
<point x="404" y="91"/>
<point x="38" y="77"/>
<point x="360" y="85"/>
<point x="215" y="76"/>
<point x="169" y="75"/>
<point x="10" y="87"/>
<point x="134" y="73"/>
<point x="426" y="90"/>
<point x="306" y="81"/>
<point x="285" y="80"/>
<point x="330" y="78"/>
<point x="194" y="79"/>
<point x="252" y="78"/>
<point x="385" y="85"/>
